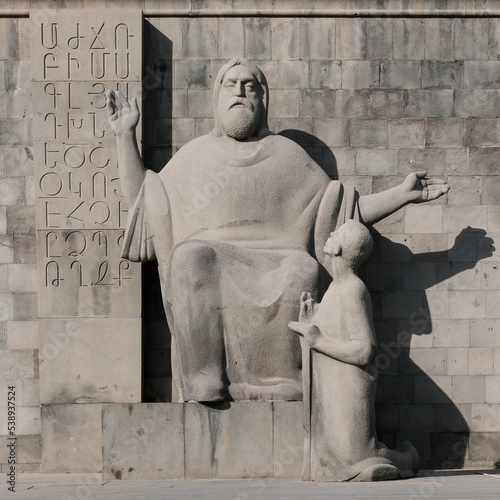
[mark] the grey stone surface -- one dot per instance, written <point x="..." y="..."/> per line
<point x="218" y="436"/>
<point x="143" y="441"/>
<point x="90" y="360"/>
<point x="72" y="438"/>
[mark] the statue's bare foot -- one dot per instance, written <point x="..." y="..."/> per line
<point x="205" y="389"/>
<point x="378" y="472"/>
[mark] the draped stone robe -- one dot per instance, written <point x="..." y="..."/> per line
<point x="266" y="209"/>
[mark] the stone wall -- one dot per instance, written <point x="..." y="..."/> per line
<point x="371" y="97"/>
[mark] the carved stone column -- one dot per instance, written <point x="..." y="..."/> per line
<point x="90" y="300"/>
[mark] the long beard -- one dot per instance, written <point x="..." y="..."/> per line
<point x="240" y="123"/>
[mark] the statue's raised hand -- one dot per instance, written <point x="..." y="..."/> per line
<point x="123" y="116"/>
<point x="307" y="305"/>
<point x="421" y="188"/>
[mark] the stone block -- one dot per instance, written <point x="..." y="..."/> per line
<point x="219" y="434"/>
<point x="23" y="278"/>
<point x="484" y="446"/>
<point x="90" y="360"/>
<point x="351" y="38"/>
<point x="16" y="132"/>
<point x="444" y="132"/>
<point x="143" y="441"/>
<point x="343" y="161"/>
<point x="360" y="74"/>
<point x="6" y="306"/>
<point x="383" y="276"/>
<point x="3" y="334"/>
<point x="6" y="251"/>
<point x="68" y="59"/>
<point x="457" y="361"/>
<point x="423" y="219"/>
<point x="203" y="126"/>
<point x="470" y="38"/>
<point x="199" y="105"/>
<point x="25" y="306"/>
<point x="491" y="389"/>
<point x="493" y="304"/>
<point x="317" y="103"/>
<point x="442" y="75"/>
<point x="457" y="218"/>
<point x="379" y="38"/>
<point x="317" y="38"/>
<point x="24" y="248"/>
<point x="409" y="39"/>
<point x="401" y="304"/>
<point x="288" y="433"/>
<point x="491" y="191"/>
<point x="448" y="449"/>
<point x="22" y="335"/>
<point x="428" y="103"/>
<point x="456" y="161"/>
<point x="293" y="74"/>
<point x="386" y="103"/>
<point x="417" y="418"/>
<point x="459" y="276"/>
<point x="479" y="103"/>
<point x="331" y="131"/>
<point x="482" y="74"/>
<point x="395" y="248"/>
<point x="434" y="389"/>
<point x="482" y="132"/>
<point x="182" y="131"/>
<point x="464" y="190"/>
<point x="376" y="161"/>
<point x="257" y="37"/>
<point x="20" y="219"/>
<point x="17" y="364"/>
<point x="467" y="389"/>
<point x="419" y="276"/>
<point x="231" y="41"/>
<point x="10" y="47"/>
<point x="17" y="161"/>
<point x="485" y="333"/>
<point x="17" y="75"/>
<point x="285" y="44"/>
<point x="467" y="304"/>
<point x="3" y="219"/>
<point x="325" y="74"/>
<point x="191" y="74"/>
<point x="481" y="363"/>
<point x="453" y="418"/>
<point x="72" y="438"/>
<point x="12" y="191"/>
<point x="485" y="417"/>
<point x="438" y="39"/>
<point x="29" y="449"/>
<point x="397" y="390"/>
<point x="199" y="37"/>
<point x="353" y="104"/>
<point x="368" y="133"/>
<point x="30" y="392"/>
<point x="497" y="360"/>
<point x="401" y="75"/>
<point x="429" y="361"/>
<point x="82" y="274"/>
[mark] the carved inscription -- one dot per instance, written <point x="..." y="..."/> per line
<point x="81" y="212"/>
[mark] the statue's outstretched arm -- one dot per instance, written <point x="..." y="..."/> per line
<point x="123" y="118"/>
<point x="416" y="188"/>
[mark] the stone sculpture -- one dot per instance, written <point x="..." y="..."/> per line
<point x="237" y="221"/>
<point x="339" y="347"/>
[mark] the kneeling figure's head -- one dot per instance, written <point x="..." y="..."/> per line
<point x="352" y="242"/>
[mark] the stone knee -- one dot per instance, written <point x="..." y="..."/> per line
<point x="194" y="264"/>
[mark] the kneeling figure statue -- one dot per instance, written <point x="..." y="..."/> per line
<point x="339" y="347"/>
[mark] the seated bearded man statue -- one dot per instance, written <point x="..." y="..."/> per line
<point x="237" y="221"/>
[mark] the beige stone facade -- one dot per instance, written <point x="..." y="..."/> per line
<point x="371" y="94"/>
